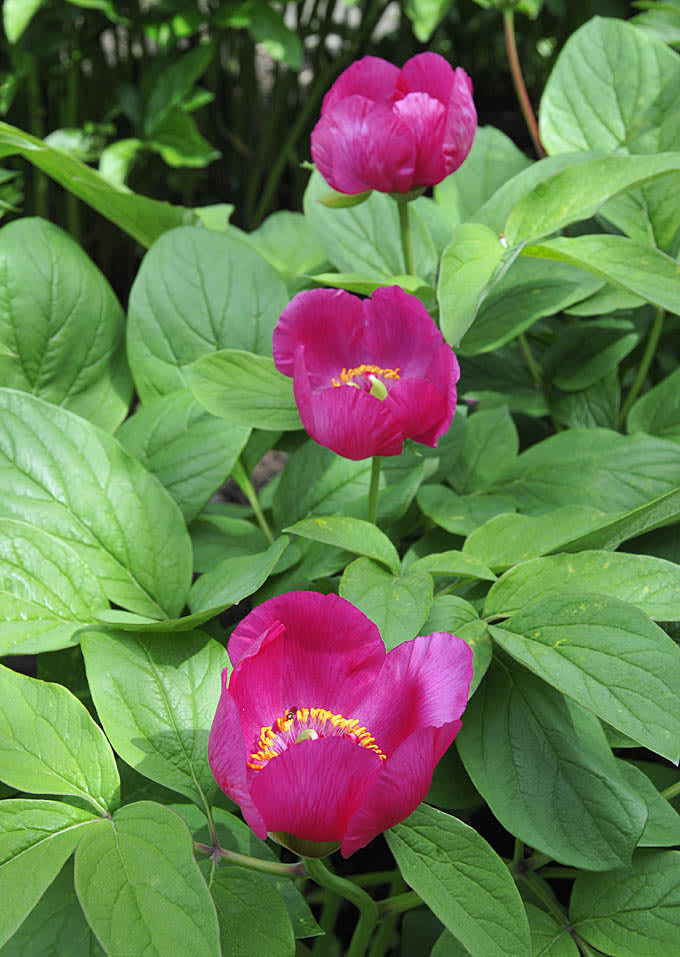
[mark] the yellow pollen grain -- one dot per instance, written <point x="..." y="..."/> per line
<point x="347" y="375"/>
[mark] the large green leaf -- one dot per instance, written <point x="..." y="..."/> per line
<point x="489" y="450"/>
<point x="577" y="192"/>
<point x="62" y="321"/>
<point x="47" y="592"/>
<point x="156" y="697"/>
<point x="399" y="605"/>
<point x="245" y="389"/>
<point x="631" y="912"/>
<point x="463" y="881"/>
<point x="17" y="14"/>
<point x="584" y="353"/>
<point x="658" y="411"/>
<point x="596" y="406"/>
<point x="61" y="473"/>
<point x="140" y="887"/>
<point x="198" y="291"/>
<point x="651" y="584"/>
<point x="241" y="897"/>
<point x="235" y="578"/>
<point x="597" y="468"/>
<point x="663" y="821"/>
<point x="613" y="89"/>
<point x="189" y="451"/>
<point x="353" y="535"/>
<point x="549" y="937"/>
<point x="49" y="744"/>
<point x="661" y="511"/>
<point x="544" y="767"/>
<point x="36" y="837"/>
<point x="144" y="219"/>
<point x="461" y="514"/>
<point x="492" y="161"/>
<point x="621" y="261"/>
<point x="608" y="656"/>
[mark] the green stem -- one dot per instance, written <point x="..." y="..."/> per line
<point x="585" y="949"/>
<point x="373" y="489"/>
<point x="405" y="233"/>
<point x="530" y="361"/>
<point x="329" y="915"/>
<point x="671" y="791"/>
<point x="37" y="128"/>
<point x="517" y="855"/>
<point x="252" y="863"/>
<point x="368" y="909"/>
<point x="240" y="476"/>
<point x="71" y="110"/>
<point x="560" y="873"/>
<point x="399" y="904"/>
<point x="387" y="931"/>
<point x="537" y="860"/>
<point x="646" y="361"/>
<point x="545" y="897"/>
<point x="374" y="878"/>
<point x="518" y="81"/>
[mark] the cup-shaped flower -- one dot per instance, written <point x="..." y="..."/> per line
<point x="322" y="737"/>
<point x="366" y="373"/>
<point x="392" y="130"/>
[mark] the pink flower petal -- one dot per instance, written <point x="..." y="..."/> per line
<point x="423" y="683"/>
<point x="358" y="145"/>
<point x="427" y="73"/>
<point x="328" y="322"/>
<point x="371" y="77"/>
<point x="227" y="757"/>
<point x="351" y="422"/>
<point x="421" y="409"/>
<point x="461" y="122"/>
<point x="313" y="788"/>
<point x="400" y="787"/>
<point x="426" y="117"/>
<point x="399" y="332"/>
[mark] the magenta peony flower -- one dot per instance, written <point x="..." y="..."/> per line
<point x="391" y="130"/>
<point x="366" y="373"/>
<point x="324" y="739"/>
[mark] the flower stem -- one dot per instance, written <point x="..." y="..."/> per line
<point x="518" y="81"/>
<point x="368" y="909"/>
<point x="530" y="361"/>
<point x="399" y="904"/>
<point x="646" y="361"/>
<point x="405" y="232"/>
<point x="373" y="489"/>
<point x="240" y="476"/>
<point x="671" y="791"/>
<point x="252" y="863"/>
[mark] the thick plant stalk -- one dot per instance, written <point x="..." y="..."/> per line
<point x="367" y="907"/>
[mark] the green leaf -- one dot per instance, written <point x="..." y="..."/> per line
<point x="63" y="324"/>
<point x="453" y="563"/>
<point x="36" y="837"/>
<point x="449" y="613"/>
<point x="607" y="299"/>
<point x="651" y="584"/>
<point x="215" y="536"/>
<point x="116" y="516"/>
<point x="189" y="451"/>
<point x="398" y="605"/>
<point x="627" y="105"/>
<point x="56" y="925"/>
<point x="463" y="881"/>
<point x="489" y="450"/>
<point x="476" y="634"/>
<point x="467" y="268"/>
<point x="241" y="898"/>
<point x="583" y="354"/>
<point x="49" y="744"/>
<point x="625" y="912"/>
<point x="179" y="142"/>
<point x="287" y="241"/>
<point x="245" y="389"/>
<point x="352" y="534"/>
<point x="156" y="697"/>
<point x="493" y="160"/>
<point x="144" y="219"/>
<point x="198" y="291"/>
<point x="658" y="411"/>
<point x="507" y="540"/>
<point x="661" y="511"/>
<point x="545" y="769"/>
<point x="597" y="406"/>
<point x="47" y="592"/>
<point x="365" y="239"/>
<point x="621" y="261"/>
<point x="528" y="291"/>
<point x="663" y="821"/>
<point x="267" y="28"/>
<point x="596" y="468"/>
<point x="169" y="84"/>
<point x="335" y="200"/>
<point x="548" y="937"/>
<point x="461" y="514"/>
<point x="606" y="655"/>
<point x="233" y="579"/>
<point x="577" y="192"/>
<point x="140" y="887"/>
<point x="425" y="15"/>
<point x="16" y="16"/>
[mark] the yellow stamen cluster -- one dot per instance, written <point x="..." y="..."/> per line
<point x="347" y="375"/>
<point x="275" y="739"/>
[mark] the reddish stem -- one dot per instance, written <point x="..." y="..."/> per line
<point x="518" y="81"/>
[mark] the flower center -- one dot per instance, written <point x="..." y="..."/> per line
<point x="305" y="724"/>
<point x="370" y="379"/>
